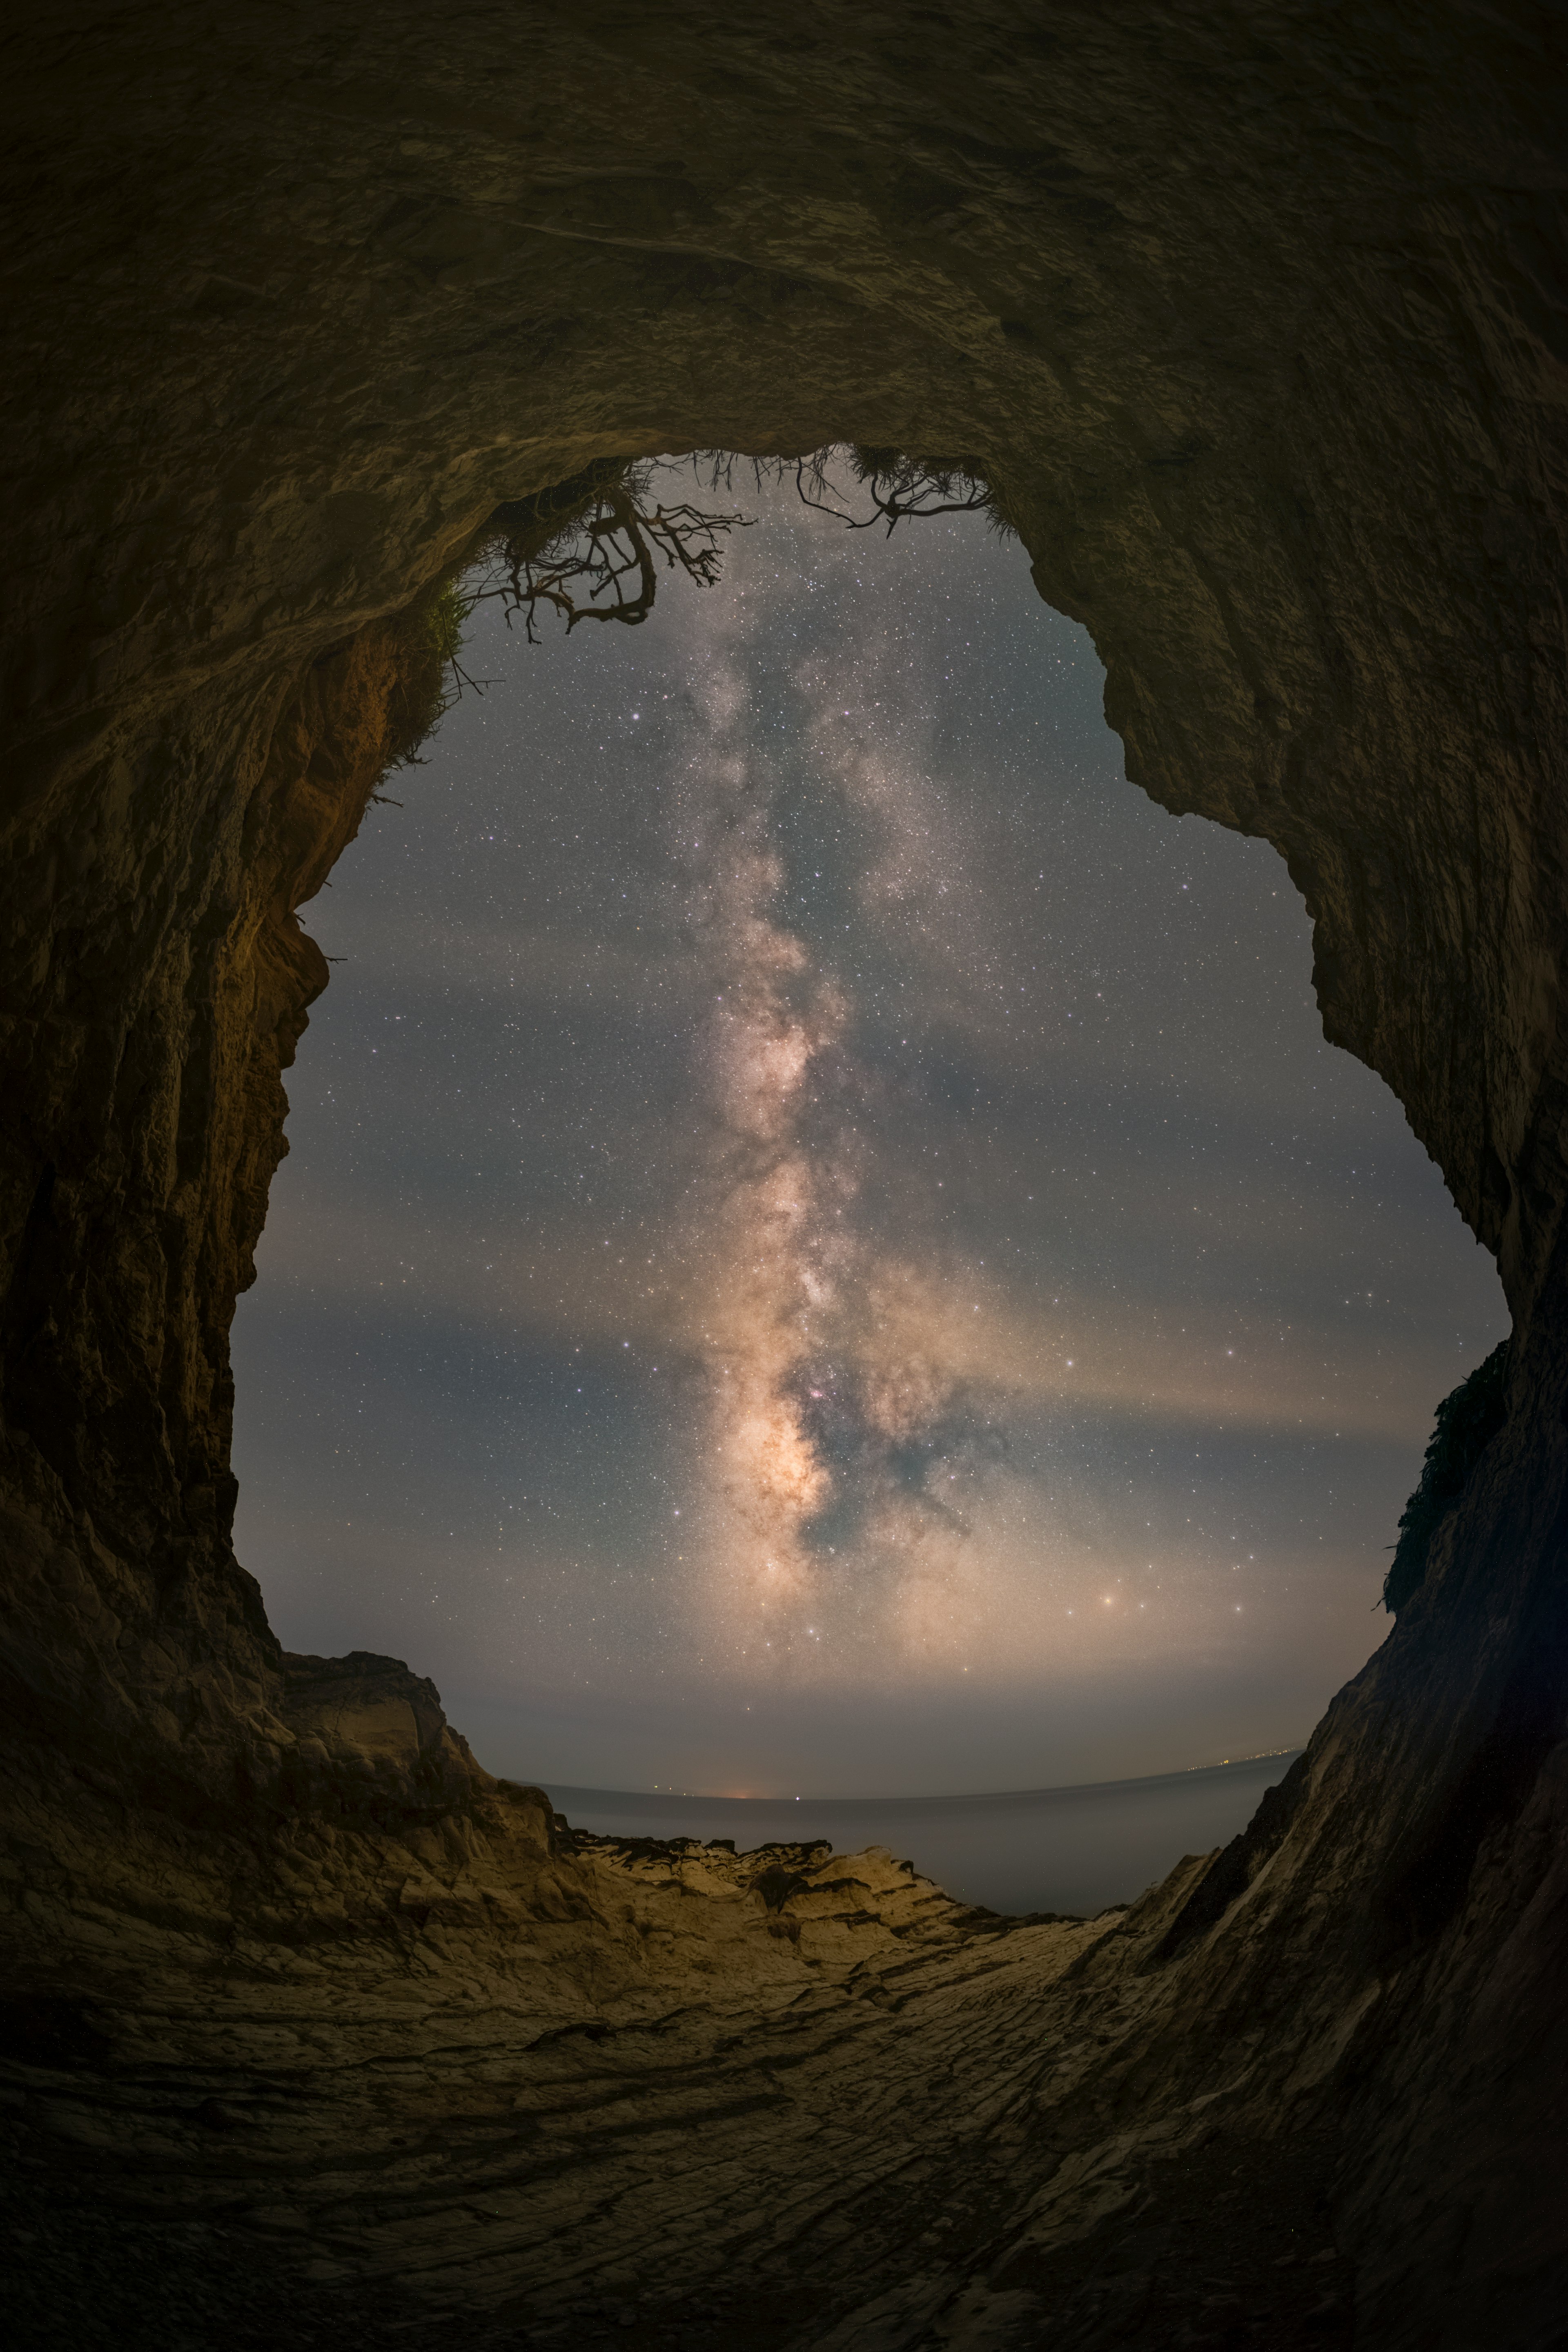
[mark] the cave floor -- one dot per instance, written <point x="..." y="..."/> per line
<point x="829" y="2111"/>
<point x="1231" y="2251"/>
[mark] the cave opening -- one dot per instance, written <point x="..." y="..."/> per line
<point x="831" y="1251"/>
<point x="309" y="2025"/>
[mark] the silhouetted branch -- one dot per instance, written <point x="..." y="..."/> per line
<point x="900" y="489"/>
<point x="603" y="563"/>
<point x="592" y="548"/>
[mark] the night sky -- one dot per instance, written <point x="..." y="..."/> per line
<point x="824" y="1248"/>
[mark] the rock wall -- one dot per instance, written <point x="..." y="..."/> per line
<point x="1256" y="318"/>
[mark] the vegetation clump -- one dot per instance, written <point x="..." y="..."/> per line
<point x="1466" y="1423"/>
<point x="593" y="547"/>
<point x="899" y="487"/>
<point x="902" y="488"/>
<point x="524" y="533"/>
<point x="429" y="676"/>
<point x="591" y="550"/>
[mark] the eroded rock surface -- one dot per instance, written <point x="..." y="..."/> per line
<point x="1255" y="319"/>
<point x="494" y="2068"/>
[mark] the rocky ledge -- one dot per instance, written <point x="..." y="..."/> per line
<point x="362" y="2085"/>
<point x="1255" y="322"/>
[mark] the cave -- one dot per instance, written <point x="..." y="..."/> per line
<point x="1254" y="318"/>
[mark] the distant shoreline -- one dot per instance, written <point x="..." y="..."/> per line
<point x="564" y="1794"/>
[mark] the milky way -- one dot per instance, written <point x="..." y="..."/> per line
<point x="854" y="1488"/>
<point x="826" y="1243"/>
<point x="835" y="1423"/>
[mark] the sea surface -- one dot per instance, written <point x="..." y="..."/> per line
<point x="1072" y="1850"/>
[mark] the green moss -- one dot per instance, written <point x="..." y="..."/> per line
<point x="432" y="676"/>
<point x="431" y="637"/>
<point x="570" y="530"/>
<point x="1466" y="1423"/>
<point x="445" y="620"/>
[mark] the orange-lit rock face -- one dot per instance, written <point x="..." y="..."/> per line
<point x="1256" y="324"/>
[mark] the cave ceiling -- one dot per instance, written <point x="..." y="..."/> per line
<point x="1254" y="318"/>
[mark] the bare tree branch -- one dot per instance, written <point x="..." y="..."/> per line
<point x="592" y="548"/>
<point x="900" y="489"/>
<point x="603" y="564"/>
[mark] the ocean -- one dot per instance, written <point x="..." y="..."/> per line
<point x="1073" y="1850"/>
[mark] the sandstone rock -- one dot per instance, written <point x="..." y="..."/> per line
<point x="1257" y="322"/>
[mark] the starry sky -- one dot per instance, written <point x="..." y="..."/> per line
<point x="824" y="1249"/>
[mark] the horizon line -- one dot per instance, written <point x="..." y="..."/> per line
<point x="959" y="1797"/>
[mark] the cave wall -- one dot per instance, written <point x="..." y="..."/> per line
<point x="1256" y="318"/>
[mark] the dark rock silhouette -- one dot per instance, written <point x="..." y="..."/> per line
<point x="1256" y="322"/>
<point x="1466" y="1421"/>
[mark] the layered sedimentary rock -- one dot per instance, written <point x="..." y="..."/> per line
<point x="1256" y="321"/>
